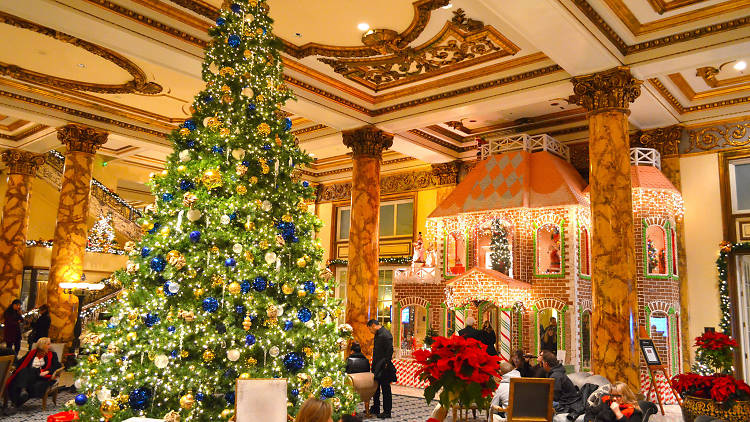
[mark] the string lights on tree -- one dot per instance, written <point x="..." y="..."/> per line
<point x="225" y="283"/>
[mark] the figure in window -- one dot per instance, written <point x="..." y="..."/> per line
<point x="554" y="260"/>
<point x="548" y="336"/>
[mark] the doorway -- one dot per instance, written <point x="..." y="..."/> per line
<point x="413" y="327"/>
<point x="739" y="277"/>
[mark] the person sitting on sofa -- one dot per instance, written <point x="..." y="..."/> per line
<point x="566" y="398"/>
<point x="502" y="394"/>
<point x="33" y="373"/>
<point x="620" y="405"/>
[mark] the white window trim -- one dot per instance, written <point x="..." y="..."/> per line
<point x="338" y="221"/>
<point x="395" y="219"/>
<point x="733" y="184"/>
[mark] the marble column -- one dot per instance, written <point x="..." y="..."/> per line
<point x="367" y="144"/>
<point x="70" y="231"/>
<point x="22" y="166"/>
<point x="607" y="95"/>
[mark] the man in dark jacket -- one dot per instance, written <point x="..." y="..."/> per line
<point x="40" y="327"/>
<point x="357" y="362"/>
<point x="382" y="367"/>
<point x="566" y="397"/>
<point x="469" y="331"/>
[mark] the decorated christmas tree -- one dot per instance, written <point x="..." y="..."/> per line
<point x="102" y="234"/>
<point x="500" y="247"/>
<point x="226" y="282"/>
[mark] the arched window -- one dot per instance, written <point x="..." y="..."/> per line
<point x="549" y="251"/>
<point x="584" y="248"/>
<point x="494" y="247"/>
<point x="455" y="254"/>
<point x="673" y="250"/>
<point x="656" y="251"/>
<point x="585" y="340"/>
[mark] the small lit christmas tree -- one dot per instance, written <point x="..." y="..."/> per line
<point x="500" y="248"/>
<point x="653" y="257"/>
<point x="102" y="234"/>
<point x="225" y="284"/>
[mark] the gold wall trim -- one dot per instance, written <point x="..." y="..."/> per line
<point x="724" y="136"/>
<point x="439" y="141"/>
<point x="12" y="126"/>
<point x="637" y="28"/>
<point x="174" y="13"/>
<point x="661" y="6"/>
<point x="79" y="113"/>
<point x="709" y="75"/>
<point x="313" y="128"/>
<point x="675" y="103"/>
<point x="26" y="133"/>
<point x="688" y="91"/>
<point x="139" y="83"/>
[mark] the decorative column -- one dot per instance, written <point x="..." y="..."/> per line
<point x="607" y="95"/>
<point x="22" y="166"/>
<point x="70" y="232"/>
<point x="367" y="144"/>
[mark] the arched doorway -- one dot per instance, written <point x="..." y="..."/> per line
<point x="410" y="327"/>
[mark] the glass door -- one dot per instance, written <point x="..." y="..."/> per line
<point x="743" y="311"/>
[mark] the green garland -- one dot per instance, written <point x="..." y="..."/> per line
<point x="721" y="265"/>
<point x="398" y="260"/>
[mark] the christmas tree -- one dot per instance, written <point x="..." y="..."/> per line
<point x="500" y="248"/>
<point x="102" y="234"/>
<point x="225" y="283"/>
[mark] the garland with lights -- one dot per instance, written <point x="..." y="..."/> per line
<point x="97" y="249"/>
<point x="398" y="260"/>
<point x="225" y="283"/>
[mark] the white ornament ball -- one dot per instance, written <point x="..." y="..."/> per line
<point x="238" y="153"/>
<point x="248" y="92"/>
<point x="266" y="206"/>
<point x="225" y="219"/>
<point x="78" y="384"/>
<point x="274" y="351"/>
<point x="249" y="18"/>
<point x="310" y="324"/>
<point x="233" y="355"/>
<point x="106" y="357"/>
<point x="193" y="215"/>
<point x="270" y="257"/>
<point x="237" y="248"/>
<point x="280" y="309"/>
<point x="173" y="287"/>
<point x="104" y="394"/>
<point x="205" y="121"/>
<point x="185" y="155"/>
<point x="161" y="361"/>
<point x="213" y="68"/>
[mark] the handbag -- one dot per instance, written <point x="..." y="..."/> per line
<point x="70" y="415"/>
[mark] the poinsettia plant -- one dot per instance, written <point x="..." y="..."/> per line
<point x="715" y="351"/>
<point x="460" y="367"/>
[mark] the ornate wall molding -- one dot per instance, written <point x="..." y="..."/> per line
<point x="611" y="89"/>
<point x="22" y="162"/>
<point x="719" y="137"/>
<point x="462" y="43"/>
<point x="666" y="140"/>
<point x="367" y="141"/>
<point x="709" y="75"/>
<point x="81" y="138"/>
<point x="139" y="83"/>
<point x="26" y="133"/>
<point x="661" y="6"/>
<point x="674" y="102"/>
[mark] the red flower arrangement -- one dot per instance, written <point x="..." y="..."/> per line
<point x="462" y="368"/>
<point x="712" y="340"/>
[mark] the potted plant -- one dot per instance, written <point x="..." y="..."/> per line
<point x="719" y="394"/>
<point x="461" y="370"/>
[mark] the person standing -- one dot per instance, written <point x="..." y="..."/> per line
<point x="469" y="331"/>
<point x="12" y="331"/>
<point x="40" y="327"/>
<point x="489" y="338"/>
<point x="382" y="367"/>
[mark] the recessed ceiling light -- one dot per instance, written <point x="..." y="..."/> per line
<point x="472" y="121"/>
<point x="363" y="26"/>
<point x="448" y="6"/>
<point x="81" y="65"/>
<point x="554" y="104"/>
<point x="299" y="34"/>
<point x="740" y="66"/>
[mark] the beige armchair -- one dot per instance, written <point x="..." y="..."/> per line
<point x="365" y="385"/>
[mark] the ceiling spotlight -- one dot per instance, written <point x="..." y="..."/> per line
<point x="81" y="65"/>
<point x="363" y="26"/>
<point x="740" y="66"/>
<point x="448" y="6"/>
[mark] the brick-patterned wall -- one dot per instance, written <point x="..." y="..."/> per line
<point x="433" y="293"/>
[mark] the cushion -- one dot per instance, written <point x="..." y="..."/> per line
<point x="595" y="397"/>
<point x="598" y="380"/>
<point x="579" y="378"/>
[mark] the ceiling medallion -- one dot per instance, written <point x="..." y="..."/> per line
<point x="139" y="83"/>
<point x="462" y="42"/>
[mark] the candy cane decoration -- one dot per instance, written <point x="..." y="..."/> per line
<point x="505" y="334"/>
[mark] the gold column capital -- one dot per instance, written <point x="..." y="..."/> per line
<point x="666" y="140"/>
<point x="447" y="173"/>
<point x="367" y="141"/>
<point x="81" y="138"/>
<point x="611" y="89"/>
<point x="22" y="162"/>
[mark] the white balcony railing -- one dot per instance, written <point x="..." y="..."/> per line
<point x="645" y="157"/>
<point x="524" y="142"/>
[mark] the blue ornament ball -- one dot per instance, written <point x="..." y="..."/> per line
<point x="310" y="287"/>
<point x="240" y="309"/>
<point x="234" y="40"/>
<point x="220" y="21"/>
<point x="251" y="108"/>
<point x="186" y="185"/>
<point x="305" y="183"/>
<point x="304" y="314"/>
<point x="217" y="149"/>
<point x="259" y="284"/>
<point x="139" y="398"/>
<point x="166" y="197"/>
<point x="174" y="353"/>
<point x="294" y="361"/>
<point x="171" y="328"/>
<point x="327" y="392"/>
<point x="81" y="399"/>
<point x="150" y="319"/>
<point x="155" y="228"/>
<point x="210" y="304"/>
<point x="190" y="143"/>
<point x="145" y="251"/>
<point x="295" y="392"/>
<point x="233" y="216"/>
<point x="189" y="124"/>
<point x="245" y="286"/>
<point x="200" y="396"/>
<point x="249" y="339"/>
<point x="235" y="8"/>
<point x="287" y="123"/>
<point x="230" y="262"/>
<point x="229" y="397"/>
<point x="195" y="236"/>
<point x="158" y="263"/>
<point x="207" y="99"/>
<point x="288" y="325"/>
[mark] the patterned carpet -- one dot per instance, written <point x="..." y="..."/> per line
<point x="32" y="411"/>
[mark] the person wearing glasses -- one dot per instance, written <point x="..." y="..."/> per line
<point x="620" y="405"/>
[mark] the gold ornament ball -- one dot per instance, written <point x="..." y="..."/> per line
<point x="244" y="376"/>
<point x="191" y="273"/>
<point x="108" y="408"/>
<point x="226" y="413"/>
<point x="147" y="225"/>
<point x="247" y="323"/>
<point x="199" y="292"/>
<point x="129" y="376"/>
<point x="252" y="361"/>
<point x="287" y="289"/>
<point x="187" y="401"/>
<point x="301" y="293"/>
<point x="208" y="356"/>
<point x="132" y="336"/>
<point x="301" y="263"/>
<point x="321" y="294"/>
<point x="326" y="382"/>
<point x="234" y="288"/>
<point x="184" y="354"/>
<point x="92" y="359"/>
<point x="165" y="231"/>
<point x="181" y="168"/>
<point x="93" y="371"/>
<point x="173" y="254"/>
<point x="211" y="178"/>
